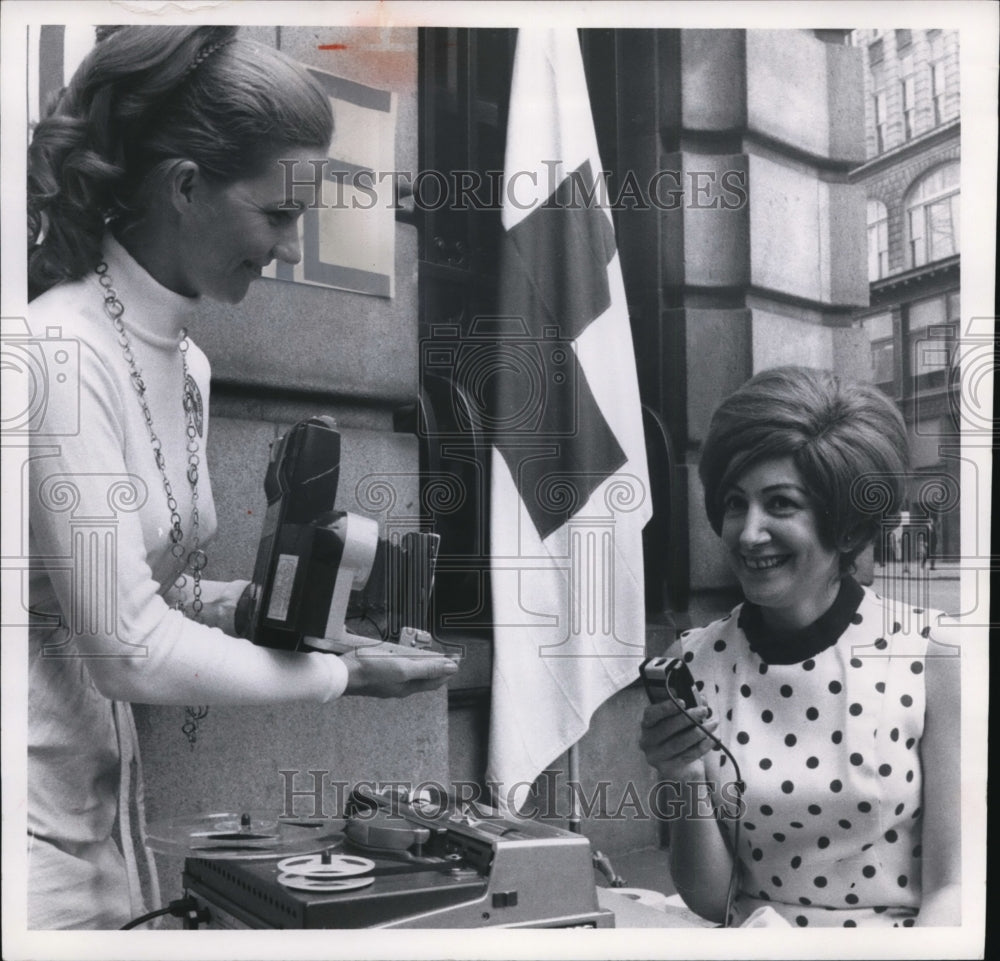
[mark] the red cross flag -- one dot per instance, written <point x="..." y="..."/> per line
<point x="570" y="489"/>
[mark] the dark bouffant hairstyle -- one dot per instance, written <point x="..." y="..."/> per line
<point x="143" y="97"/>
<point x="847" y="440"/>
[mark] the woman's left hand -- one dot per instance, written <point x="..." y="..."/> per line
<point x="391" y="670"/>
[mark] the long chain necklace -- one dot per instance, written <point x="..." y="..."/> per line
<point x="196" y="558"/>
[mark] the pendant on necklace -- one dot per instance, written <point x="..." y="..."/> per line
<point x="193" y="403"/>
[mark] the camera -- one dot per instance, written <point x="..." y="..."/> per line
<point x="42" y="381"/>
<point x="312" y="558"/>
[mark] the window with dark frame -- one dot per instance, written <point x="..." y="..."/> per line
<point x="878" y="240"/>
<point x="907" y="90"/>
<point x="932" y="213"/>
<point x="931" y="329"/>
<point x="464" y="88"/>
<point x="937" y="91"/>
<point x="878" y="105"/>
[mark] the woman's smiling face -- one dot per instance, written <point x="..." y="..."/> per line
<point x="771" y="535"/>
<point x="237" y="229"/>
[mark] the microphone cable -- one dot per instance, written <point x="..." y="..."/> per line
<point x="740" y="787"/>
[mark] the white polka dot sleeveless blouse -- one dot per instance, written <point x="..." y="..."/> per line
<point x="826" y="729"/>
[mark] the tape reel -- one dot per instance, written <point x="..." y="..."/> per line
<point x="331" y="886"/>
<point x="326" y="873"/>
<point x="316" y="868"/>
<point x="242" y="836"/>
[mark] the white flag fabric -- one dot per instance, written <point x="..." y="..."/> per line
<point x="569" y="484"/>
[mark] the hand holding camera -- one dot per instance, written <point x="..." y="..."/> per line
<point x="390" y="670"/>
<point x="672" y="740"/>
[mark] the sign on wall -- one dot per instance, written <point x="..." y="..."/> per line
<point x="348" y="238"/>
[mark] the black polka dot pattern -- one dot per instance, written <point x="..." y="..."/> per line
<point x="829" y="749"/>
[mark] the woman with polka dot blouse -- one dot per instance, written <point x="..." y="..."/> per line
<point x="840" y="708"/>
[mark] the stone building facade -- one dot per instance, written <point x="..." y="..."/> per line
<point x="911" y="179"/>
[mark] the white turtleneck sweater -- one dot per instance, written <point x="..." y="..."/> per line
<point x="102" y="584"/>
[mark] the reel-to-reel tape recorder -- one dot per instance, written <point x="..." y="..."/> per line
<point x="402" y="860"/>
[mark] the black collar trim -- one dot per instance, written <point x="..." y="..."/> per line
<point x="794" y="647"/>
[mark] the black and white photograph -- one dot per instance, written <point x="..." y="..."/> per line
<point x="497" y="480"/>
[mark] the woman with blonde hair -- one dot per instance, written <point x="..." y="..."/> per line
<point x="157" y="178"/>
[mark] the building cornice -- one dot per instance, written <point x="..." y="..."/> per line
<point x="917" y="146"/>
<point x="936" y="274"/>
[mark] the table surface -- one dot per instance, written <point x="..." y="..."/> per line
<point x="629" y="913"/>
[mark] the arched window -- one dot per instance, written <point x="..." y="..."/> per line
<point x="932" y="216"/>
<point x="878" y="240"/>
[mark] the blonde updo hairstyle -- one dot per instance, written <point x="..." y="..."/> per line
<point x="144" y="97"/>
